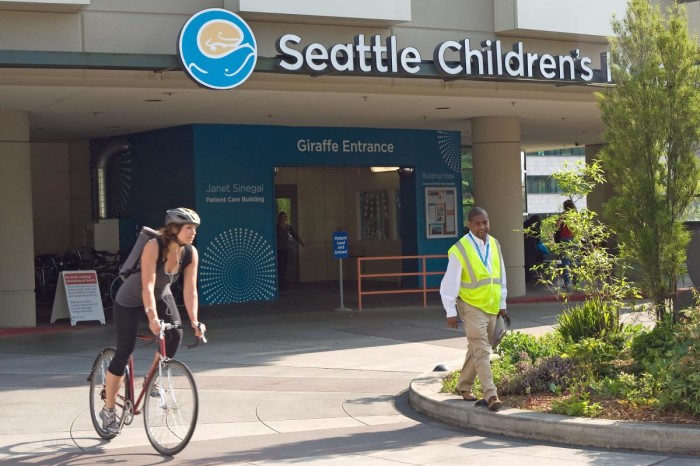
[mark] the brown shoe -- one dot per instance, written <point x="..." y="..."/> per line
<point x="494" y="403"/>
<point x="469" y="396"/>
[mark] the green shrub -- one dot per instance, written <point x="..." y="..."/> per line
<point x="652" y="349"/>
<point x="514" y="344"/>
<point x="449" y="382"/>
<point x="574" y="406"/>
<point x="682" y="375"/>
<point x="597" y="358"/>
<point x="625" y="337"/>
<point x="515" y="373"/>
<point x="641" y="390"/>
<point x="592" y="319"/>
<point x="500" y="369"/>
<point x="578" y="402"/>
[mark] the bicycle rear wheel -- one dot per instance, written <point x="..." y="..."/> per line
<point x="98" y="378"/>
<point x="171" y="417"/>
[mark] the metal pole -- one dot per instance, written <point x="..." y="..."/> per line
<point x="359" y="283"/>
<point x="342" y="304"/>
<point x="340" y="265"/>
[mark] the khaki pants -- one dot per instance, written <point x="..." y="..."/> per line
<point x="478" y="326"/>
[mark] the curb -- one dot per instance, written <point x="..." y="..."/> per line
<point x="22" y="331"/>
<point x="425" y="397"/>
<point x="549" y="298"/>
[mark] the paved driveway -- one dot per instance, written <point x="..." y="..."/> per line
<point x="276" y="387"/>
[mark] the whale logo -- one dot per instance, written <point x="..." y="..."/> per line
<point x="217" y="49"/>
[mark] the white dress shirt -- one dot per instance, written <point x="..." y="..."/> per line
<point x="451" y="281"/>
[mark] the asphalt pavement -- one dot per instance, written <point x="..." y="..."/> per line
<point x="285" y="382"/>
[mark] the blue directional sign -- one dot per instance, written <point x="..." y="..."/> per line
<point x="340" y="244"/>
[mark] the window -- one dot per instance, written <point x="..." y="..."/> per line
<point x="579" y="151"/>
<point x="467" y="182"/>
<point x="374" y="215"/>
<point x="542" y="185"/>
<point x="692" y="214"/>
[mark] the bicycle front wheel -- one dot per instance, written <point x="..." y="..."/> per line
<point x="170" y="417"/>
<point x="98" y="379"/>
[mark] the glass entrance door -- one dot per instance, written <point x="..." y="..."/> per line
<point x="286" y="201"/>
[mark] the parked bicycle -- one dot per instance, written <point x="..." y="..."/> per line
<point x="45" y="279"/>
<point x="169" y="395"/>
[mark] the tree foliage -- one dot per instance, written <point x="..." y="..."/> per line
<point x="652" y="118"/>
<point x="597" y="272"/>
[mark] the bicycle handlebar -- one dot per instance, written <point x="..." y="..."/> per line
<point x="173" y="326"/>
<point x="168" y="326"/>
<point x="198" y="340"/>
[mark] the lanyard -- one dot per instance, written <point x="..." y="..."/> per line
<point x="484" y="258"/>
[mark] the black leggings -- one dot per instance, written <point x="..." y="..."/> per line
<point x="126" y="323"/>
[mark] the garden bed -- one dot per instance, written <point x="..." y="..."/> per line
<point x="612" y="409"/>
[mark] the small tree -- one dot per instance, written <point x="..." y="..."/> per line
<point x="652" y="116"/>
<point x="598" y="273"/>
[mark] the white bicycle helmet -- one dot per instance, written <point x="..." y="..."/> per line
<point x="182" y="216"/>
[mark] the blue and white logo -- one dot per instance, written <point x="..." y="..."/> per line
<point x="217" y="49"/>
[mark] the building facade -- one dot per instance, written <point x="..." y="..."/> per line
<point x="106" y="88"/>
<point x="543" y="195"/>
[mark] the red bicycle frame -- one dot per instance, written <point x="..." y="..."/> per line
<point x="130" y="379"/>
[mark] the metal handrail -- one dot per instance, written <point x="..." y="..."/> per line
<point x="424" y="273"/>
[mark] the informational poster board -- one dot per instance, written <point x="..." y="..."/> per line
<point x="78" y="297"/>
<point x="440" y="212"/>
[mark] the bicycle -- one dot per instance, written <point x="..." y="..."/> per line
<point x="170" y="417"/>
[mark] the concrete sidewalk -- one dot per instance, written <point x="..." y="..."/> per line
<point x="279" y="384"/>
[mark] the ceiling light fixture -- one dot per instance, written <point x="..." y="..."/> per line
<point x="406" y="172"/>
<point x="383" y="169"/>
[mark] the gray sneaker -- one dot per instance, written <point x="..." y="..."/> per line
<point x="155" y="388"/>
<point x="109" y="420"/>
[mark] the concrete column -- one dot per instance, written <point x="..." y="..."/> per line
<point x="498" y="189"/>
<point x="17" y="305"/>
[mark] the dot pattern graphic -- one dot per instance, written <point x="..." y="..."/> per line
<point x="451" y="153"/>
<point x="238" y="266"/>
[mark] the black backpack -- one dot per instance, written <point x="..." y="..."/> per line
<point x="132" y="264"/>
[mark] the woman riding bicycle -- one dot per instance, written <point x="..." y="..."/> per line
<point x="148" y="290"/>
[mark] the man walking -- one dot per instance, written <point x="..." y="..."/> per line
<point x="474" y="287"/>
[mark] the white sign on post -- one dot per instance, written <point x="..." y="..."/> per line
<point x="78" y="297"/>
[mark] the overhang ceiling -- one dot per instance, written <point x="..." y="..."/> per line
<point x="74" y="105"/>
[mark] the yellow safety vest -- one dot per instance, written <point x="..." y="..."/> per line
<point x="478" y="287"/>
